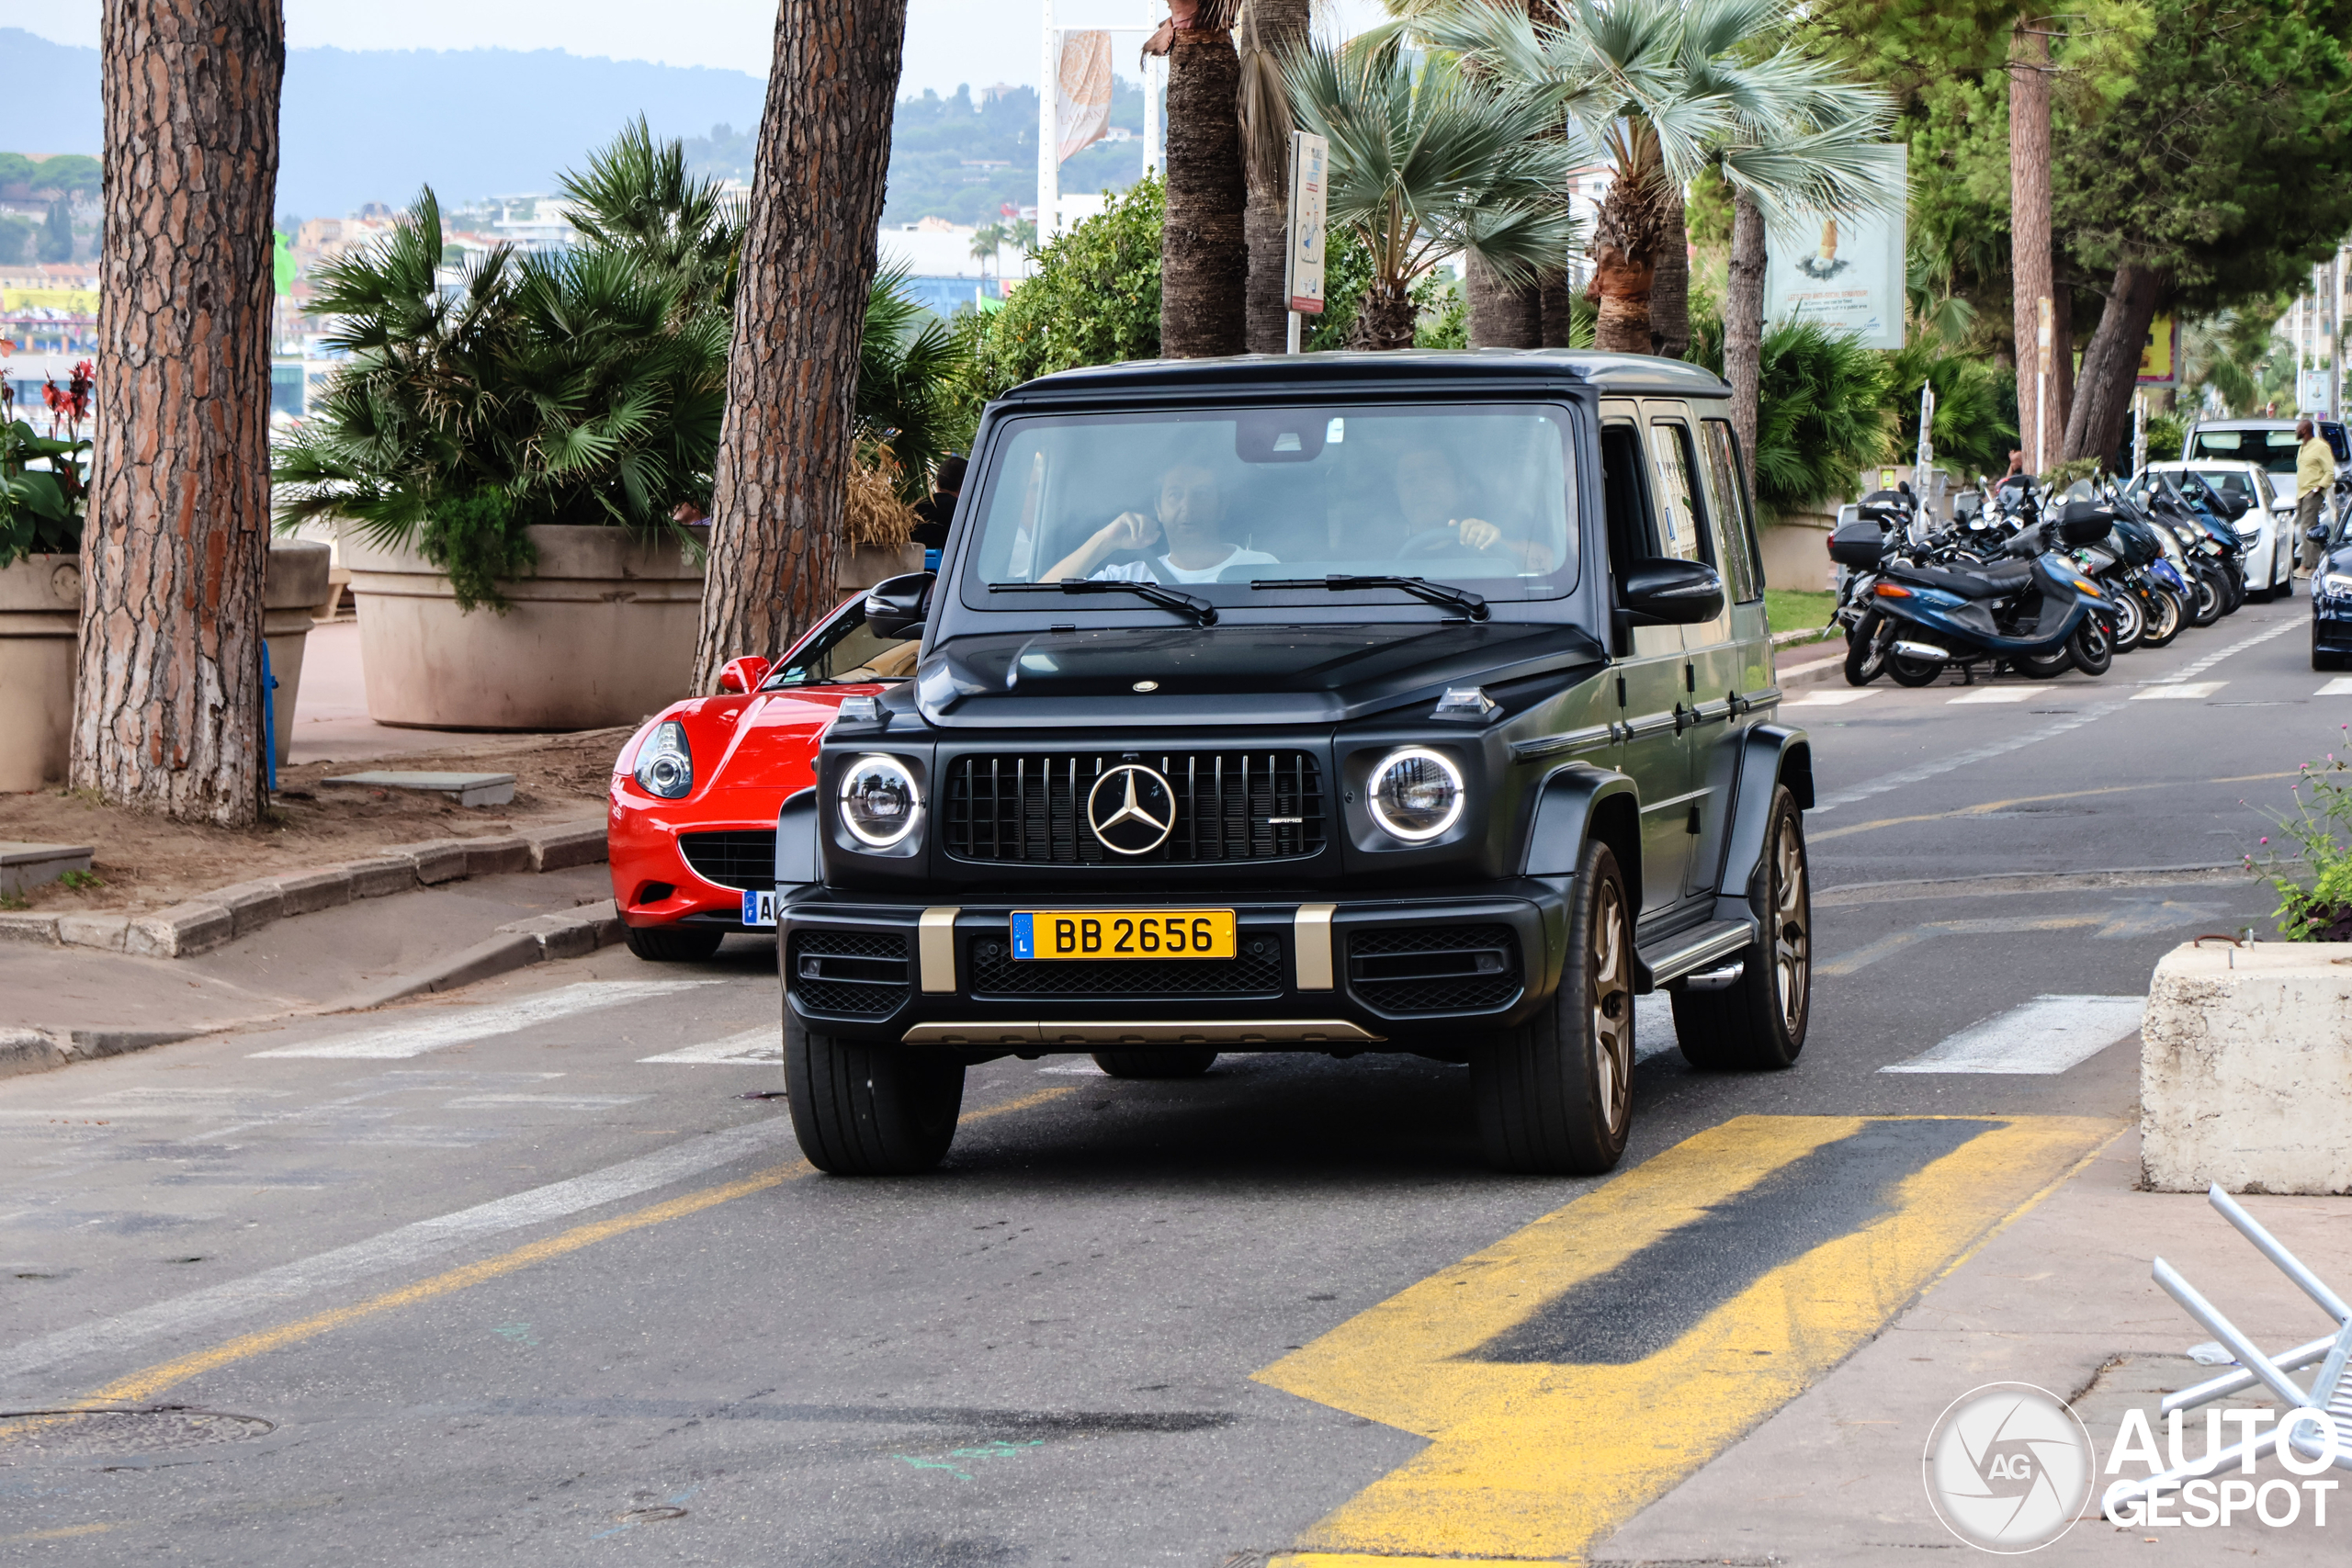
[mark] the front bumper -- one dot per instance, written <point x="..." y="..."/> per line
<point x="1312" y="973"/>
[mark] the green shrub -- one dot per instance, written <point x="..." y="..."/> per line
<point x="1971" y="437"/>
<point x="1821" y="411"/>
<point x="2322" y="912"/>
<point x="2166" y="434"/>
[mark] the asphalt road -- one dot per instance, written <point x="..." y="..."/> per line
<point x="531" y="1296"/>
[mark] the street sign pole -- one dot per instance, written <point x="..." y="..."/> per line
<point x="2041" y="387"/>
<point x="1303" y="231"/>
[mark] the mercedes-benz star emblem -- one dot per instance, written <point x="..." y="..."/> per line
<point x="1131" y="809"/>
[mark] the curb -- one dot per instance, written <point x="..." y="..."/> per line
<point x="205" y="923"/>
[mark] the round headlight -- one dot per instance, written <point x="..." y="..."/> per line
<point x="664" y="766"/>
<point x="1416" y="793"/>
<point x="879" y="801"/>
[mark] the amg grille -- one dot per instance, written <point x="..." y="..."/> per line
<point x="852" y="973"/>
<point x="1257" y="971"/>
<point x="744" y="859"/>
<point x="1434" y="969"/>
<point x="1030" y="808"/>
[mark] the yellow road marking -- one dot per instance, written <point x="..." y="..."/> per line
<point x="1532" y="1462"/>
<point x="145" y="1385"/>
<point x="1985" y="808"/>
<point x="65" y="1533"/>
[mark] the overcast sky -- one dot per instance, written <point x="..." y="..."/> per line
<point x="948" y="41"/>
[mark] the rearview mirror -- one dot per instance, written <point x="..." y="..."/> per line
<point x="898" y="606"/>
<point x="1666" y="593"/>
<point x="744" y="674"/>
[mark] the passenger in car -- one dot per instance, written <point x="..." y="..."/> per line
<point x="1430" y="494"/>
<point x="1190" y="515"/>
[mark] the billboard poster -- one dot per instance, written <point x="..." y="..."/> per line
<point x="1844" y="274"/>
<point x="2160" y="358"/>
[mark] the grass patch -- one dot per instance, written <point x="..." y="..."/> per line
<point x="1796" y="609"/>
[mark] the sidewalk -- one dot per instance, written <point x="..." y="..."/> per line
<point x="2061" y="1299"/>
<point x="331" y="722"/>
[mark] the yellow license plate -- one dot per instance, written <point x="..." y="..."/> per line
<point x="1123" y="933"/>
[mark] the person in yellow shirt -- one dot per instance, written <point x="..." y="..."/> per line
<point x="2315" y="473"/>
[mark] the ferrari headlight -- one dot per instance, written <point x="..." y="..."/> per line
<point x="1416" y="793"/>
<point x="664" y="766"/>
<point x="879" y="805"/>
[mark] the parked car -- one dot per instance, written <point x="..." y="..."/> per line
<point x="2265" y="525"/>
<point x="695" y="792"/>
<point x="2332" y="602"/>
<point x="1414" y="702"/>
<point x="2268" y="442"/>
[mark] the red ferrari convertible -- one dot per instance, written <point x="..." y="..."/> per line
<point x="696" y="791"/>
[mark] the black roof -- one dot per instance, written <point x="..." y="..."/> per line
<point x="1616" y="373"/>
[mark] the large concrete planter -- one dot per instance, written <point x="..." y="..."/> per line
<point x="295" y="582"/>
<point x="41" y="606"/>
<point x="863" y="566"/>
<point x="603" y="634"/>
<point x="2245" y="1068"/>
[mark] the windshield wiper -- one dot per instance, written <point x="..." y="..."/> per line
<point x="1444" y="595"/>
<point x="1204" y="614"/>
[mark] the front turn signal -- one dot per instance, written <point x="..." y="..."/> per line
<point x="1891" y="591"/>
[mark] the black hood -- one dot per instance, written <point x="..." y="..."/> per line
<point x="1248" y="673"/>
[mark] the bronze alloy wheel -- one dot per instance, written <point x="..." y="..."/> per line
<point x="1792" y="923"/>
<point x="1608" y="993"/>
<point x="1754" y="1020"/>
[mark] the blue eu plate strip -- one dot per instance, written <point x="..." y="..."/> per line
<point x="1024" y="935"/>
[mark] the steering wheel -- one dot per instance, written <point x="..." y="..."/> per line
<point x="1433" y="544"/>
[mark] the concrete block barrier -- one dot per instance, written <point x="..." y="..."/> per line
<point x="2245" y="1070"/>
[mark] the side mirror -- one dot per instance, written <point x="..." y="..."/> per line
<point x="1666" y="593"/>
<point x="744" y="674"/>
<point x="898" y="606"/>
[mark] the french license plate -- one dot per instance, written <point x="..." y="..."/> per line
<point x="759" y="908"/>
<point x="1123" y="933"/>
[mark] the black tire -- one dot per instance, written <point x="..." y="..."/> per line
<point x="2286" y="589"/>
<point x="1914" y="672"/>
<point x="2321" y="658"/>
<point x="1180" y="1063"/>
<point x="2042" y="666"/>
<point x="861" y="1109"/>
<point x="2092" y="648"/>
<point x="2233" y="589"/>
<point x="1555" y="1095"/>
<point x="1866" y="650"/>
<point x="2165" y="619"/>
<point x="2131" y="620"/>
<point x="2209" y="597"/>
<point x="672" y="944"/>
<point x="1757" y="1022"/>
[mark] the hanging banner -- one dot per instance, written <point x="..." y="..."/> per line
<point x="1310" y="158"/>
<point x="2160" y="359"/>
<point x="1082" y="90"/>
<point x="1841" y="274"/>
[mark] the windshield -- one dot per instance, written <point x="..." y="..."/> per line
<point x="2274" y="449"/>
<point x="1480" y="495"/>
<point x="846" y="652"/>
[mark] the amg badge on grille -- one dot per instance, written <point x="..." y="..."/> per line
<point x="1131" y="809"/>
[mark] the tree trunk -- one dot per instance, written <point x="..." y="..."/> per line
<point x="2029" y="229"/>
<point x="2111" y="362"/>
<point x="1204" y="253"/>
<point x="1671" y="289"/>
<point x="781" y="485"/>
<point x="1625" y="244"/>
<point x="1503" y="315"/>
<point x="1386" y="319"/>
<point x="168" y="690"/>
<point x="1744" y="324"/>
<point x="1559" y="311"/>
<point x="1277" y="27"/>
<point x="2062" y="347"/>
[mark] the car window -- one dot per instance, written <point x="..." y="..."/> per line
<point x="1626" y="492"/>
<point x="1480" y="495"/>
<point x="1727" y="512"/>
<point x="1678" y="497"/>
<point x="2233" y="480"/>
<point x="2275" y="450"/>
<point x="845" y="648"/>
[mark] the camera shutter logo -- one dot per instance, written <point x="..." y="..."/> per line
<point x="1131" y="811"/>
<point x="2008" y="1467"/>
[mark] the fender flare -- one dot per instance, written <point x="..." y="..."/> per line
<point x="796" y="838"/>
<point x="1579" y="800"/>
<point x="1771" y="755"/>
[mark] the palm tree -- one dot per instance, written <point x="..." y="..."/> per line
<point x="1662" y="88"/>
<point x="987" y="240"/>
<point x="907" y="365"/>
<point x="1269" y="30"/>
<point x="1204" y="250"/>
<point x="637" y="197"/>
<point x="1429" y="165"/>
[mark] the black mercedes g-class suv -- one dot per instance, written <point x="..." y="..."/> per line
<point x="1410" y="702"/>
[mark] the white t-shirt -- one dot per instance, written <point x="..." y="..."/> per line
<point x="1160" y="570"/>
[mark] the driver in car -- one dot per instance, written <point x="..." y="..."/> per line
<point x="1190" y="515"/>
<point x="1429" y="493"/>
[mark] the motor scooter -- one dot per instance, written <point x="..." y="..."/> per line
<point x="2037" y="614"/>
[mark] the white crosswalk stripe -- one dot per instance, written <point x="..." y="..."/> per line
<point x="1994" y="695"/>
<point x="2048" y="1035"/>
<point x="2339" y="687"/>
<point x="1830" y="699"/>
<point x="764" y="1043"/>
<point x="2183" y="691"/>
<point x="432" y="1030"/>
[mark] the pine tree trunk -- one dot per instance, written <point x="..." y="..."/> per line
<point x="1503" y="314"/>
<point x="2029" y="229"/>
<point x="1204" y="253"/>
<point x="168" y="691"/>
<point x="2102" y="410"/>
<point x="1671" y="289"/>
<point x="2062" y="346"/>
<point x="782" y="475"/>
<point x="1744" y="324"/>
<point x="1279" y="27"/>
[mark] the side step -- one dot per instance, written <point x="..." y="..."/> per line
<point x="1687" y="951"/>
